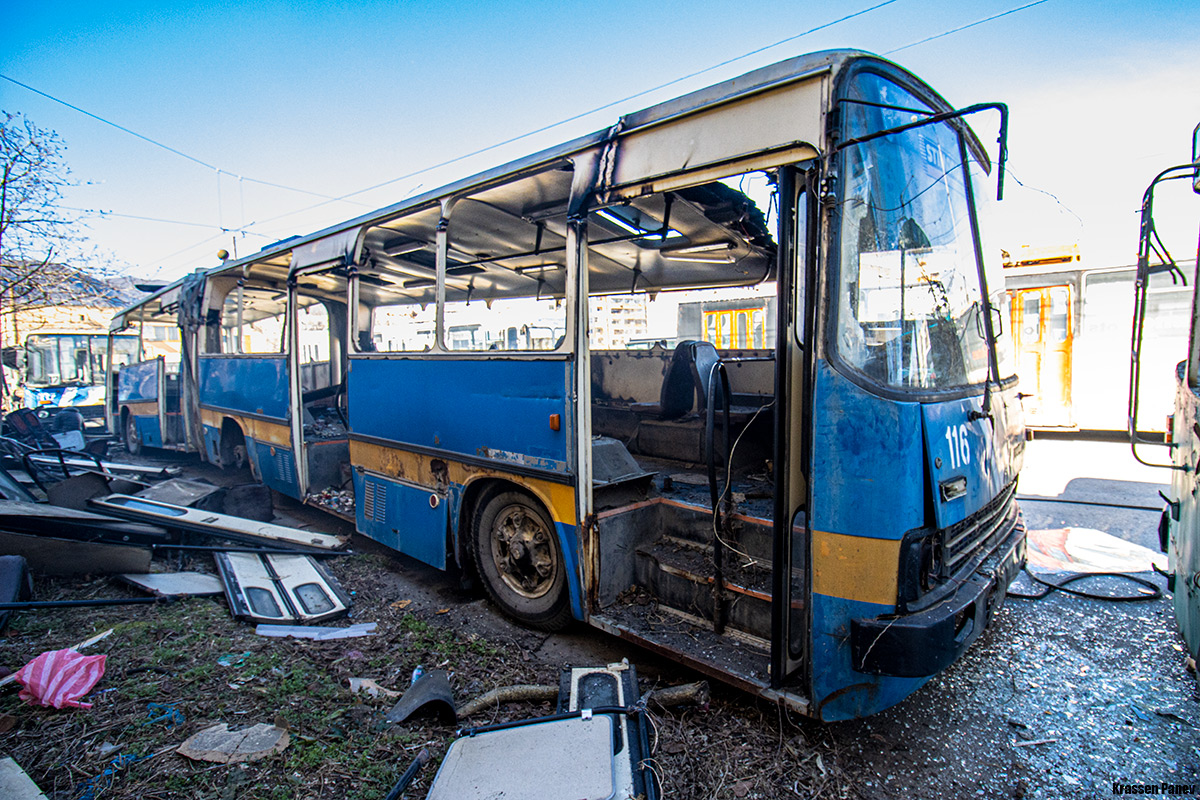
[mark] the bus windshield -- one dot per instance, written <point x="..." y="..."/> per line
<point x="54" y="359"/>
<point x="909" y="299"/>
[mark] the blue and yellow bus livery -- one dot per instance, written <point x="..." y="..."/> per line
<point x="826" y="521"/>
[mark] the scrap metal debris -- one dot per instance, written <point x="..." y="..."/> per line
<point x="15" y="784"/>
<point x="175" y="584"/>
<point x="327" y="426"/>
<point x="317" y="632"/>
<point x="339" y="500"/>
<point x="430" y="693"/>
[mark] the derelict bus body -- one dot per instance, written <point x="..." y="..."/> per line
<point x="825" y="521"/>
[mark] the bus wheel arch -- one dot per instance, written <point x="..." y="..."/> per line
<point x="517" y="554"/>
<point x="232" y="450"/>
<point x="129" y="434"/>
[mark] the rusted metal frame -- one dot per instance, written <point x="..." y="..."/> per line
<point x="781" y="557"/>
<point x="782" y="697"/>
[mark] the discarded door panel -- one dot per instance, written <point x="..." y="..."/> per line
<point x="280" y="588"/>
<point x="214" y="524"/>
<point x="528" y="761"/>
<point x="615" y="685"/>
<point x="600" y="731"/>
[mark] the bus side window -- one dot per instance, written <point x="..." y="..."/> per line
<point x="261" y="321"/>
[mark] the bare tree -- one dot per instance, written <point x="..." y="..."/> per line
<point x="40" y="245"/>
<point x="33" y="228"/>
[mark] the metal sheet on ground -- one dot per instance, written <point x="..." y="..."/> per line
<point x="176" y="584"/>
<point x="531" y="761"/>
<point x="50" y="556"/>
<point x="110" y="467"/>
<point x="184" y="492"/>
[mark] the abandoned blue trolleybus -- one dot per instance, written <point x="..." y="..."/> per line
<point x="826" y="520"/>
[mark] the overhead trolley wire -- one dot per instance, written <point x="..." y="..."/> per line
<point x="102" y="213"/>
<point x="583" y="114"/>
<point x="965" y="27"/>
<point x="643" y="93"/>
<point x="157" y="143"/>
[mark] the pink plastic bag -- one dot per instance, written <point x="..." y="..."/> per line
<point x="59" y="678"/>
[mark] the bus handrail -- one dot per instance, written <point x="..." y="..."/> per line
<point x="717" y="496"/>
<point x="1141" y="284"/>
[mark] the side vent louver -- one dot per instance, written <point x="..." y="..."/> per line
<point x="374" y="499"/>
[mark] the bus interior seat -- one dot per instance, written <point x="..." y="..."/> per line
<point x="674" y="428"/>
<point x="686" y="384"/>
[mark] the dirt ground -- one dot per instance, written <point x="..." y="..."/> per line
<point x="1061" y="697"/>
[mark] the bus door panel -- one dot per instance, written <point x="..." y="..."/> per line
<point x="866" y="450"/>
<point x="791" y="590"/>
<point x="1043" y="338"/>
<point x="138" y="392"/>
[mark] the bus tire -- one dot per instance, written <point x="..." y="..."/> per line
<point x="233" y="453"/>
<point x="133" y="442"/>
<point x="520" y="562"/>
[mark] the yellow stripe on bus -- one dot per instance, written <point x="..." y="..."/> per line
<point x="274" y="433"/>
<point x="147" y="408"/>
<point x="418" y="469"/>
<point x="855" y="567"/>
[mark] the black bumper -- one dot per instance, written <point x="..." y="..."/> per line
<point x="925" y="642"/>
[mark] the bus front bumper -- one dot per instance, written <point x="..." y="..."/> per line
<point x="922" y="643"/>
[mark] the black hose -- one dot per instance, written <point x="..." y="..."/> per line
<point x="116" y="601"/>
<point x="1061" y="586"/>
<point x="422" y="759"/>
<point x="1028" y="498"/>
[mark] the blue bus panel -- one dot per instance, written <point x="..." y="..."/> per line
<point x="498" y="410"/>
<point x="252" y="384"/>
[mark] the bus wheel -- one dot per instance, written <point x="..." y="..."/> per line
<point x="132" y="442"/>
<point x="233" y="448"/>
<point x="520" y="562"/>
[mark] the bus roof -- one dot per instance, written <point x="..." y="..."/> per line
<point x="669" y="130"/>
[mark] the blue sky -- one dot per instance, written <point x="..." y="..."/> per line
<point x="334" y="98"/>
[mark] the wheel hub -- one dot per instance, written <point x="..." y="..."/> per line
<point x="523" y="552"/>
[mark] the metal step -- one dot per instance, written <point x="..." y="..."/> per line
<point x="678" y="573"/>
<point x="738" y="660"/>
<point x="753" y="536"/>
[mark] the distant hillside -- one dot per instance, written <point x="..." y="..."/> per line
<point x="27" y="285"/>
